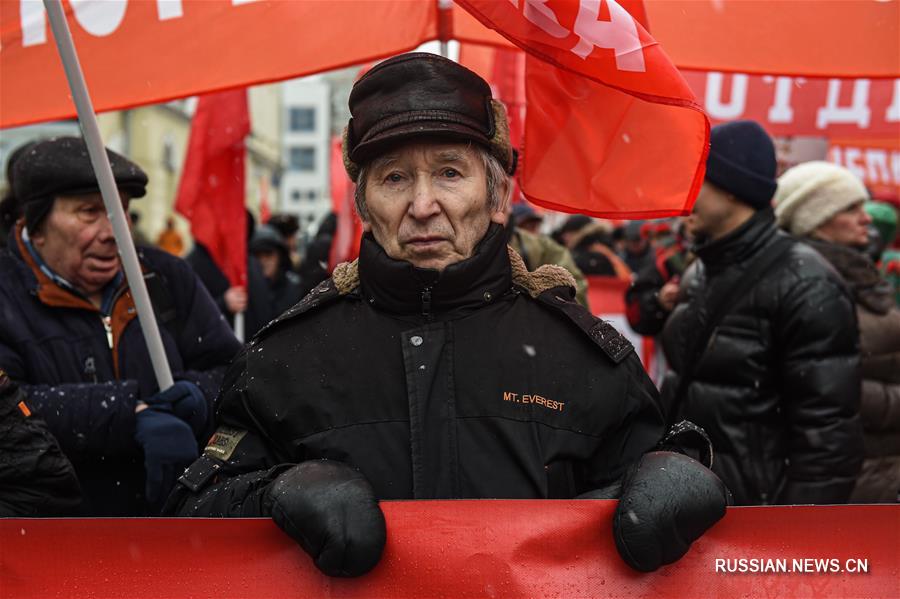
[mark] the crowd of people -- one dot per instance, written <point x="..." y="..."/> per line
<point x="456" y="357"/>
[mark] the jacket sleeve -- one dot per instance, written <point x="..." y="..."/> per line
<point x="86" y="418"/>
<point x="232" y="477"/>
<point x="817" y="334"/>
<point x="642" y="309"/>
<point x="639" y="429"/>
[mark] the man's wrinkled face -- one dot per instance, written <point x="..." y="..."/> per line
<point x="848" y="227"/>
<point x="428" y="203"/>
<point x="76" y="241"/>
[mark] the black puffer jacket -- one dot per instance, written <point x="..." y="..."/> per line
<point x="778" y="387"/>
<point x="36" y="479"/>
<point x="435" y="385"/>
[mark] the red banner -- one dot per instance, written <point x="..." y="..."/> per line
<point x="460" y="549"/>
<point x="876" y="162"/>
<point x="814" y="38"/>
<point x="800" y="106"/>
<point x="136" y="52"/>
<point x="604" y="105"/>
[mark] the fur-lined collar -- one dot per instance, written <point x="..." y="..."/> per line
<point x="548" y="276"/>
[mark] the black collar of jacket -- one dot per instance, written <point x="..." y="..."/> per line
<point x="397" y="286"/>
<point x="740" y="244"/>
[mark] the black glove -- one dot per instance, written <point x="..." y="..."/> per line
<point x="169" y="447"/>
<point x="330" y="509"/>
<point x="668" y="501"/>
<point x="185" y="400"/>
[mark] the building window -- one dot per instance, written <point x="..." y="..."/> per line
<point x="303" y="119"/>
<point x="295" y="196"/>
<point x="311" y="195"/>
<point x="303" y="159"/>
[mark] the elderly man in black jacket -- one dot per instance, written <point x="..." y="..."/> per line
<point x="70" y="337"/>
<point x="437" y="366"/>
<point x="776" y="382"/>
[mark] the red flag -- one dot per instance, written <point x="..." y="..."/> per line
<point x="612" y="129"/>
<point x="211" y="192"/>
<point x="345" y="245"/>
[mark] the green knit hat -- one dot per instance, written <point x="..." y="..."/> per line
<point x="884" y="218"/>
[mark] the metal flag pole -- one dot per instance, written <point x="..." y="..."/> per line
<point x="444" y="8"/>
<point x="108" y="190"/>
<point x="239" y="326"/>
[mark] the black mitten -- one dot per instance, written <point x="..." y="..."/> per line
<point x="330" y="509"/>
<point x="668" y="501"/>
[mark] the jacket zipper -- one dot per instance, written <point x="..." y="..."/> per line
<point x="426" y="303"/>
<point x="107" y="324"/>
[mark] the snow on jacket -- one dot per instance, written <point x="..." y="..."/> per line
<point x="778" y="386"/>
<point x="879" y="335"/>
<point x="484" y="380"/>
<point x="83" y="373"/>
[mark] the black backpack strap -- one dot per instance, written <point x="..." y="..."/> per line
<point x="718" y="308"/>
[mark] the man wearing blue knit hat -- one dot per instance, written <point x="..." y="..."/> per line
<point x="762" y="344"/>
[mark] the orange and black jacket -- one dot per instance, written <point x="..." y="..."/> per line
<point x="83" y="371"/>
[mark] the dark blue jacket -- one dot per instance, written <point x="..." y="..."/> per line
<point x="85" y="380"/>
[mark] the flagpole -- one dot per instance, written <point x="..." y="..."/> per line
<point x="100" y="162"/>
<point x="444" y="8"/>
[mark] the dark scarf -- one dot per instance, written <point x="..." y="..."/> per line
<point x="399" y="287"/>
<point x="866" y="284"/>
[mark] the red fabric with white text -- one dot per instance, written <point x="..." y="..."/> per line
<point x="612" y="129"/>
<point x="136" y="52"/>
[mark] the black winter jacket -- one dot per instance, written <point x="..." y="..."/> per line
<point x="36" y="479"/>
<point x="645" y="315"/>
<point x="458" y="384"/>
<point x="84" y="379"/>
<point x="259" y="303"/>
<point x="778" y="386"/>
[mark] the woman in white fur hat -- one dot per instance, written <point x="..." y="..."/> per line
<point x="823" y="203"/>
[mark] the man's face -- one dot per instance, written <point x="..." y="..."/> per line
<point x="848" y="227"/>
<point x="711" y="211"/>
<point x="428" y="203"/>
<point x="76" y="241"/>
<point x="268" y="261"/>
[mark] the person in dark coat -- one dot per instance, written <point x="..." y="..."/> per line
<point x="253" y="300"/>
<point x="652" y="295"/>
<point x="70" y="338"/>
<point x="637" y="251"/>
<point x="776" y="384"/>
<point x="271" y="251"/>
<point x="825" y="205"/>
<point x="313" y="268"/>
<point x="436" y="365"/>
<point x="36" y="479"/>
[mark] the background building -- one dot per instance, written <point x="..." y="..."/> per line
<point x="306" y="148"/>
<point x="156" y="137"/>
